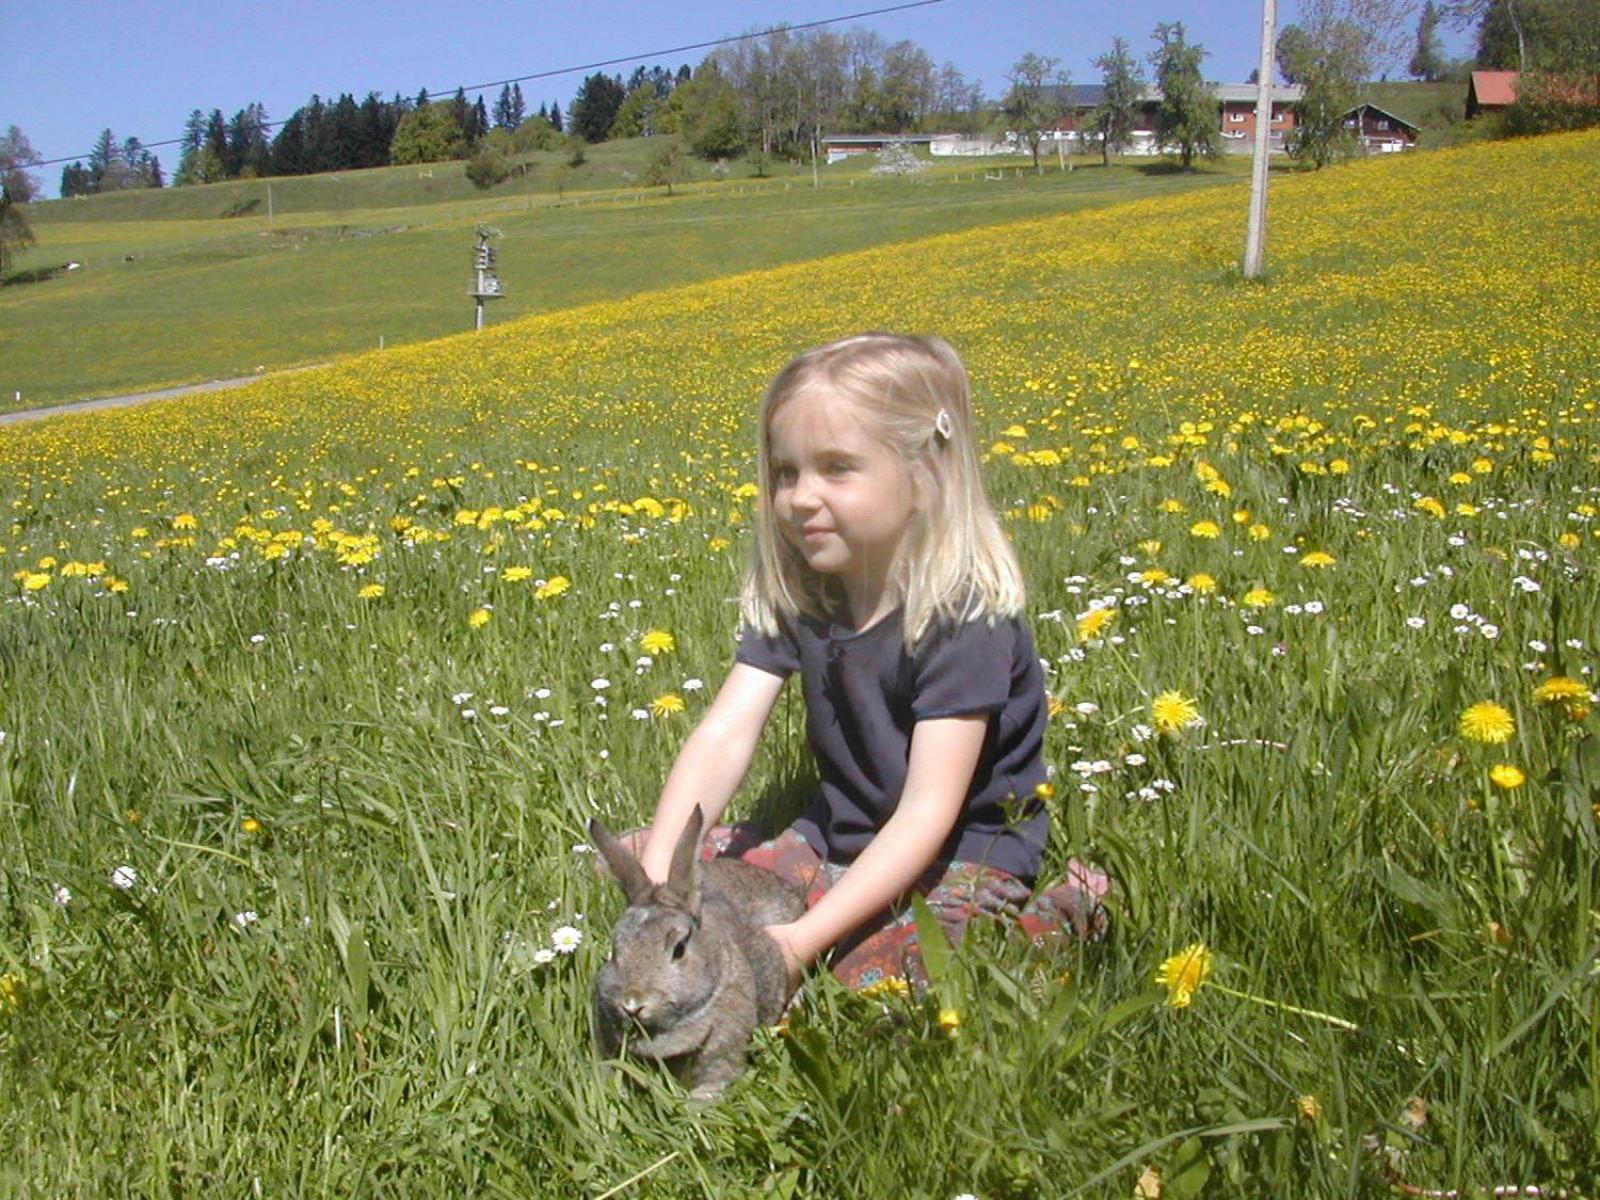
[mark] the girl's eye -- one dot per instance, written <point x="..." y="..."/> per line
<point x="840" y="467"/>
<point x="785" y="475"/>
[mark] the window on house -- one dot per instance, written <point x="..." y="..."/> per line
<point x="1236" y="116"/>
<point x="1383" y="124"/>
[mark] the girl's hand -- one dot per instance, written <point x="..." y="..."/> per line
<point x="794" y="958"/>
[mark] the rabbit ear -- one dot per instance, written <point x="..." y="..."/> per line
<point x="684" y="875"/>
<point x="635" y="883"/>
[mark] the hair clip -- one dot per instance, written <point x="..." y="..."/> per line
<point x="943" y="425"/>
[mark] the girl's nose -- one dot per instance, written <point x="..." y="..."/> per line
<point x="804" y="494"/>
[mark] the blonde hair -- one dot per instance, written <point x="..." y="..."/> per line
<point x="954" y="562"/>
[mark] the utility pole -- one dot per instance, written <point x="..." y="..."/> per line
<point x="1255" y="242"/>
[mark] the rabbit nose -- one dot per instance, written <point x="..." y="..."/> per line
<point x="633" y="1006"/>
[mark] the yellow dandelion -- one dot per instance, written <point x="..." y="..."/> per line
<point x="1259" y="533"/>
<point x="185" y="521"/>
<point x="555" y="586"/>
<point x="479" y="618"/>
<point x="1155" y="577"/>
<point x="1094" y="622"/>
<point x="1309" y="1107"/>
<point x="658" y="641"/>
<point x="371" y="592"/>
<point x="889" y="985"/>
<point x="1259" y="597"/>
<point x="666" y="704"/>
<point x="718" y="544"/>
<point x="1318" y="558"/>
<point x="1171" y="712"/>
<point x="1045" y="790"/>
<point x="1241" y="516"/>
<point x="1561" y="689"/>
<point x="516" y="574"/>
<point x="1205" y="529"/>
<point x="1569" y="541"/>
<point x="1202" y="583"/>
<point x="1487" y="722"/>
<point x="950" y="1021"/>
<point x="250" y="825"/>
<point x="1507" y="776"/>
<point x="33" y="581"/>
<point x="11" y="985"/>
<point x="1184" y="973"/>
<point x="1430" y="506"/>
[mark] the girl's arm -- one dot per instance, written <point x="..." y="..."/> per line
<point x="944" y="754"/>
<point x="713" y="761"/>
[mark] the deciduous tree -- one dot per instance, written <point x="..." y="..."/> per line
<point x="429" y="134"/>
<point x="667" y="165"/>
<point x="1189" y="114"/>
<point x="1035" y="102"/>
<point x="1122" y="87"/>
<point x="17" y="188"/>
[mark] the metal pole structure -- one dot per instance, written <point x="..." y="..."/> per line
<point x="1255" y="243"/>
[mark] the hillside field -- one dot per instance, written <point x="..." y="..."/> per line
<point x="310" y="692"/>
<point x="172" y="290"/>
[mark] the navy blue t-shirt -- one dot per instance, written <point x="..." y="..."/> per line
<point x="864" y="693"/>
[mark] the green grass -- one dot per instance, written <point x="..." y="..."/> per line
<point x="1432" y="107"/>
<point x="396" y="795"/>
<point x="167" y="296"/>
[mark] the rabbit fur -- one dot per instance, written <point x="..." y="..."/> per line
<point x="692" y="972"/>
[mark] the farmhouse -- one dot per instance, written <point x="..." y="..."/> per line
<point x="1376" y="129"/>
<point x="848" y="145"/>
<point x="1491" y="91"/>
<point x="1236" y="116"/>
<point x="1380" y="131"/>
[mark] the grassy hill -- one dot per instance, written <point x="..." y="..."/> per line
<point x="171" y="291"/>
<point x="310" y="691"/>
<point x="1433" y="107"/>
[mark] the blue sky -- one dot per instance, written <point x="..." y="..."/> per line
<point x="73" y="68"/>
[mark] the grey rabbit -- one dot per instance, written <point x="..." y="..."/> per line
<point x="692" y="972"/>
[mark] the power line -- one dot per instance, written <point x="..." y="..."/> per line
<point x="610" y="62"/>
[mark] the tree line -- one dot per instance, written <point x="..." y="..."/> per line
<point x="321" y="135"/>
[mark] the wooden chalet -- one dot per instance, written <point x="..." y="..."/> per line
<point x="1380" y="131"/>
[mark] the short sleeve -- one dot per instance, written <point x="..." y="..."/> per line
<point x="775" y="654"/>
<point x="963" y="669"/>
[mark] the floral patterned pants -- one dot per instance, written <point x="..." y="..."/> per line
<point x="885" y="947"/>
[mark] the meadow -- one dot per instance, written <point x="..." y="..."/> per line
<point x="173" y="289"/>
<point x="309" y="695"/>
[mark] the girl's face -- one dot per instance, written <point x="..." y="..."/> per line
<point x="842" y="498"/>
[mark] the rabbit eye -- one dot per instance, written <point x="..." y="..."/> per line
<point x="679" y="947"/>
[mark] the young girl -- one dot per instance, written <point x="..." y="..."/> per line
<point x="881" y="575"/>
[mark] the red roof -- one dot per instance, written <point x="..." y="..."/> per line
<point x="1495" y="87"/>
